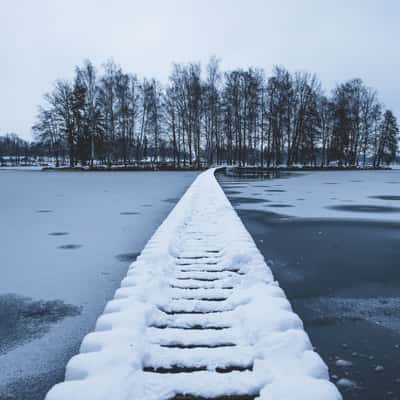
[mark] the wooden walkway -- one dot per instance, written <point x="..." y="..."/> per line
<point x="198" y="316"/>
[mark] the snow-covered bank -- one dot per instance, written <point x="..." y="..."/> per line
<point x="22" y="168"/>
<point x="201" y="249"/>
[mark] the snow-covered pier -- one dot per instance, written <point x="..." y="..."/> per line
<point x="198" y="316"/>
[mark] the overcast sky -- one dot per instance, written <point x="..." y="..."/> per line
<point x="42" y="40"/>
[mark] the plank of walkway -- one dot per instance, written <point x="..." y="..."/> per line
<point x="198" y="316"/>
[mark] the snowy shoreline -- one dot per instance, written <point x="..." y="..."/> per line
<point x="263" y="328"/>
<point x="236" y="169"/>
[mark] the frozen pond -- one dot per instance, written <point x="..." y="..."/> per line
<point x="332" y="240"/>
<point x="321" y="194"/>
<point x="67" y="239"/>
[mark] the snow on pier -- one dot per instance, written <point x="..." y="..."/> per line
<point x="198" y="316"/>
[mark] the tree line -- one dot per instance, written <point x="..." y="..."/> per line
<point x="17" y="151"/>
<point x="210" y="117"/>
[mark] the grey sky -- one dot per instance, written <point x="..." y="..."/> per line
<point x="42" y="40"/>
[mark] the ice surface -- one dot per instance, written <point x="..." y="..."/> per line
<point x="76" y="253"/>
<point x="323" y="194"/>
<point x="339" y="266"/>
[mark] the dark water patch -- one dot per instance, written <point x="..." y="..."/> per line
<point x="331" y="183"/>
<point x="231" y="192"/>
<point x="393" y="182"/>
<point x="147" y="205"/>
<point x="127" y="257"/>
<point x="342" y="278"/>
<point x="256" y="173"/>
<point x="276" y="190"/>
<point x="129" y="213"/>
<point x="367" y="346"/>
<point x="300" y="199"/>
<point x="364" y="208"/>
<point x="69" y="246"/>
<point x="386" y="197"/>
<point x="172" y="200"/>
<point x="23" y="319"/>
<point x="278" y="205"/>
<point x="356" y="180"/>
<point x="44" y="211"/>
<point x="249" y="200"/>
<point x="58" y="233"/>
<point x="327" y="255"/>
